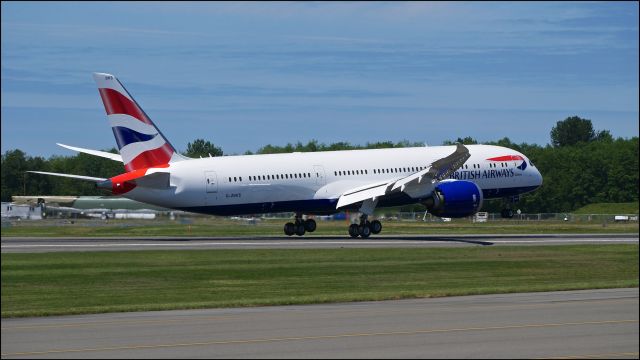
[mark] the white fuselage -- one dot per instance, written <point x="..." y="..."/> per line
<point x="312" y="182"/>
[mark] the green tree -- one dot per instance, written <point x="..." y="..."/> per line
<point x="604" y="135"/>
<point x="14" y="165"/>
<point x="200" y="148"/>
<point x="571" y="131"/>
<point x="466" y="141"/>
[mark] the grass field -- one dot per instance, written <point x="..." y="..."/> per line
<point x="227" y="227"/>
<point x="95" y="282"/>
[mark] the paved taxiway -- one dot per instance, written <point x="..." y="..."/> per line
<point x="569" y="324"/>
<point x="38" y="244"/>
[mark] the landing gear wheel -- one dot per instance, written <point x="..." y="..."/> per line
<point x="376" y="227"/>
<point x="289" y="229"/>
<point x="300" y="229"/>
<point x="310" y="225"/>
<point x="354" y="231"/>
<point x="364" y="230"/>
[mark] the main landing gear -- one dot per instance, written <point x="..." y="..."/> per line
<point x="365" y="228"/>
<point x="300" y="226"/>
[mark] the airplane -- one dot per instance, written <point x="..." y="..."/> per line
<point x="451" y="181"/>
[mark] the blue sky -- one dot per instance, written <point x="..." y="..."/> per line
<point x="244" y="75"/>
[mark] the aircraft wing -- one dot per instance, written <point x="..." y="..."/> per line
<point x="437" y="171"/>
<point x="104" y="154"/>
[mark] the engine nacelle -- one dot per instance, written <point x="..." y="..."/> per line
<point x="455" y="199"/>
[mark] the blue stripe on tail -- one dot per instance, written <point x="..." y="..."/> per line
<point x="125" y="136"/>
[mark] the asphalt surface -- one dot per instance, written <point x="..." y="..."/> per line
<point x="43" y="244"/>
<point x="570" y="324"/>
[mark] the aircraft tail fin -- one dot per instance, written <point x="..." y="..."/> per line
<point x="140" y="142"/>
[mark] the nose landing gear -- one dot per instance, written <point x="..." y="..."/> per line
<point x="507" y="211"/>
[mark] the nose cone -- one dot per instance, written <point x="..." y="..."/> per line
<point x="538" y="177"/>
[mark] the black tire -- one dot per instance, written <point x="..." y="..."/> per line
<point x="364" y="230"/>
<point x="310" y="225"/>
<point x="300" y="229"/>
<point x="376" y="227"/>
<point x="353" y="230"/>
<point x="289" y="229"/>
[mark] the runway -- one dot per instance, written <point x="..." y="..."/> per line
<point x="570" y="324"/>
<point x="44" y="244"/>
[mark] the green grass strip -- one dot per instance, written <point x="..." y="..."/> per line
<point x="94" y="282"/>
<point x="226" y="227"/>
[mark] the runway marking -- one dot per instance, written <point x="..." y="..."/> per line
<point x="317" y="337"/>
<point x="270" y="243"/>
<point x="593" y="356"/>
<point x="305" y="311"/>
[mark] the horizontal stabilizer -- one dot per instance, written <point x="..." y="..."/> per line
<point x="90" y="178"/>
<point x="103" y="154"/>
<point x="157" y="180"/>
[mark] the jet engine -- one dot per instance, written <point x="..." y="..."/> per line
<point x="454" y="199"/>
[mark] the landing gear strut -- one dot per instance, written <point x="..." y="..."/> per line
<point x="300" y="227"/>
<point x="507" y="211"/>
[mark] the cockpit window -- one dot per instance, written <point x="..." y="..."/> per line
<point x="531" y="163"/>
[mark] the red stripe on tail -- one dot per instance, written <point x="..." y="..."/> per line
<point x="151" y="158"/>
<point x="116" y="103"/>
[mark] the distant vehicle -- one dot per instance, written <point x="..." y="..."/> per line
<point x="451" y="181"/>
<point x="621" y="218"/>
<point x="481" y="216"/>
<point x="101" y="207"/>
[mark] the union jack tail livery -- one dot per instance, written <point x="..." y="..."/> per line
<point x="140" y="142"/>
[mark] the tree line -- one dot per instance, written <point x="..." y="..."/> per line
<point x="580" y="166"/>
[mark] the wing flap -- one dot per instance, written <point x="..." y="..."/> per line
<point x="355" y="196"/>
